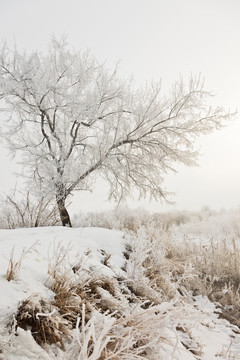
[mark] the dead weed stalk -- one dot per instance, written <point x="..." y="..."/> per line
<point x="15" y="265"/>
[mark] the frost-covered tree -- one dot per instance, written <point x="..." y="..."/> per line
<point x="73" y="120"/>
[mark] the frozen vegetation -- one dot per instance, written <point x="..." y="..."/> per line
<point x="122" y="285"/>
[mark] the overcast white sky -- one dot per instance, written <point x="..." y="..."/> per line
<point x="153" y="39"/>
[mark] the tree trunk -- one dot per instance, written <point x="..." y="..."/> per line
<point x="64" y="215"/>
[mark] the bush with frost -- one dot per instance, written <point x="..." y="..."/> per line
<point x="20" y="210"/>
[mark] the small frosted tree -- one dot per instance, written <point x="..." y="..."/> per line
<point x="73" y="119"/>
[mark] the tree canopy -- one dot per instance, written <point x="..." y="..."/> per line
<point x="73" y="120"/>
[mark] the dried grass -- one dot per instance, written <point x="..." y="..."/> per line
<point x="71" y="294"/>
<point x="15" y="265"/>
<point x="218" y="269"/>
<point x="67" y="299"/>
<point x="43" y="319"/>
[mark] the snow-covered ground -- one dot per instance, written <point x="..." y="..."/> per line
<point x="191" y="328"/>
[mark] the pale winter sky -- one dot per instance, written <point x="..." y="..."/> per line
<point x="153" y="39"/>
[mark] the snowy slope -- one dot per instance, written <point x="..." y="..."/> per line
<point x="199" y="335"/>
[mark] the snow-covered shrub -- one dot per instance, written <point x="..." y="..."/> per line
<point x="159" y="266"/>
<point x="23" y="210"/>
<point x="139" y="335"/>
